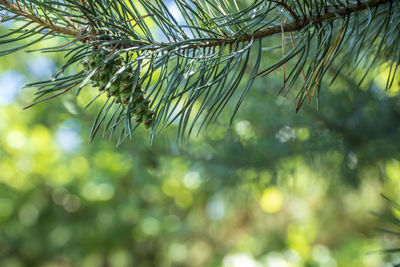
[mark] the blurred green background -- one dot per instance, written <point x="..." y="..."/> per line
<point x="275" y="189"/>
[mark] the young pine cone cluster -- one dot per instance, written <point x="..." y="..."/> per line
<point x="122" y="88"/>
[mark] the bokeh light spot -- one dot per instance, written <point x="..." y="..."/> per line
<point x="28" y="214"/>
<point x="79" y="165"/>
<point x="184" y="199"/>
<point x="285" y="134"/>
<point x="192" y="180"/>
<point x="244" y="129"/>
<point x="150" y="226"/>
<point x="240" y="259"/>
<point x="73" y="204"/>
<point x="302" y="134"/>
<point x="60" y="196"/>
<point x="178" y="252"/>
<point x="271" y="200"/>
<point x="215" y="208"/>
<point x="98" y="192"/>
<point x="16" y="139"/>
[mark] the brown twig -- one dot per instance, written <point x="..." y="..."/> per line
<point x="283" y="55"/>
<point x="19" y="11"/>
<point x="323" y="64"/>
<point x="297" y="55"/>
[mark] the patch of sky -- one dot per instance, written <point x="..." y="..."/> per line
<point x="41" y="67"/>
<point x="67" y="137"/>
<point x="176" y="15"/>
<point x="11" y="82"/>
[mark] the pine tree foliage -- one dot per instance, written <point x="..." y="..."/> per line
<point x="157" y="69"/>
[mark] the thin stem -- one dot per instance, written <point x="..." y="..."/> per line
<point x="17" y="10"/>
<point x="53" y="96"/>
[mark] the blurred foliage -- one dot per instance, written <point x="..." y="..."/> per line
<point x="275" y="189"/>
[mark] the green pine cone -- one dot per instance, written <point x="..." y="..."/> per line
<point x="122" y="87"/>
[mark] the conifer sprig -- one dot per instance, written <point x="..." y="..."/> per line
<point x="188" y="68"/>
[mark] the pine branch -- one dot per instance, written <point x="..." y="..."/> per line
<point x="331" y="12"/>
<point x="19" y="11"/>
<point x="190" y="70"/>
